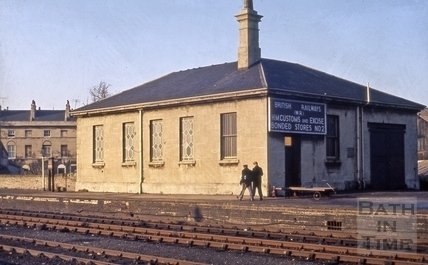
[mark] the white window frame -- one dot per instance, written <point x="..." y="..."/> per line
<point x="128" y="134"/>
<point x="28" y="154"/>
<point x="10" y="133"/>
<point x="98" y="144"/>
<point x="11" y="150"/>
<point x="186" y="139"/>
<point x="46" y="133"/>
<point x="228" y="135"/>
<point x="47" y="150"/>
<point x="156" y="141"/>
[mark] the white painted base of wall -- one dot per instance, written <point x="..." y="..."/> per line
<point x="165" y="188"/>
<point x="120" y="187"/>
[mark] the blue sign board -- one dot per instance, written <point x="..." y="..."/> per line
<point x="289" y="116"/>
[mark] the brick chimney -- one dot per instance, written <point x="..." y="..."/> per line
<point x="67" y="111"/>
<point x="249" y="51"/>
<point x="33" y="111"/>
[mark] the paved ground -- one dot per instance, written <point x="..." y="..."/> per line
<point x="340" y="200"/>
<point x="339" y="210"/>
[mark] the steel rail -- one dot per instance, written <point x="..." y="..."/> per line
<point x="52" y="255"/>
<point x="236" y="243"/>
<point x="223" y="229"/>
<point x="105" y="252"/>
<point x="346" y="238"/>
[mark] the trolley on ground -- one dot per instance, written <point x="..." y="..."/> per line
<point x="316" y="192"/>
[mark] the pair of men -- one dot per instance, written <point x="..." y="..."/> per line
<point x="251" y="180"/>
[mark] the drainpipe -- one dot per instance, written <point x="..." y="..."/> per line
<point x="43" y="172"/>
<point x="368" y="99"/>
<point x="140" y="156"/>
<point x="358" y="124"/>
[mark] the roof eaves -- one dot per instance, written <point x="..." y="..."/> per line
<point x="174" y="102"/>
<point x="326" y="97"/>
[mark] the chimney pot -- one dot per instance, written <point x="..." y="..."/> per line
<point x="33" y="111"/>
<point x="67" y="111"/>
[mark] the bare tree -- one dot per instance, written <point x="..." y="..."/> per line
<point x="100" y="91"/>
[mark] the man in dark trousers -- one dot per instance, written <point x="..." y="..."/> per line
<point x="257" y="179"/>
<point x="246" y="179"/>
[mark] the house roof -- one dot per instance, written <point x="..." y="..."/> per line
<point x="274" y="76"/>
<point x="41" y="115"/>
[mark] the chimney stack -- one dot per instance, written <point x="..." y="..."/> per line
<point x="33" y="111"/>
<point x="249" y="51"/>
<point x="67" y="111"/>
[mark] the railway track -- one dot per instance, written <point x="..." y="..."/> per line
<point x="337" y="246"/>
<point x="78" y="253"/>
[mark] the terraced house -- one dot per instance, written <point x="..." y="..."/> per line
<point x="191" y="131"/>
<point x="28" y="135"/>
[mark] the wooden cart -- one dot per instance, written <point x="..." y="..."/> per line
<point x="316" y="192"/>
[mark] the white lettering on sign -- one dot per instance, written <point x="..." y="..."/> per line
<point x="286" y="118"/>
<point x="297" y="117"/>
<point x="282" y="105"/>
<point x="314" y="108"/>
<point x="303" y="127"/>
<point x="316" y="120"/>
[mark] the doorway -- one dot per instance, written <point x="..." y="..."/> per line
<point x="292" y="160"/>
<point x="387" y="156"/>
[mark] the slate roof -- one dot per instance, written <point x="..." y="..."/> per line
<point x="41" y="115"/>
<point x="275" y="76"/>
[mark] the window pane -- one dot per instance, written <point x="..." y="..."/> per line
<point x="64" y="150"/>
<point x="156" y="140"/>
<point x="128" y="141"/>
<point x="11" y="133"/>
<point x="332" y="137"/>
<point x="28" y="151"/>
<point x="98" y="143"/>
<point x="186" y="139"/>
<point x="28" y="133"/>
<point x="11" y="151"/>
<point x="228" y="135"/>
<point x="46" y="149"/>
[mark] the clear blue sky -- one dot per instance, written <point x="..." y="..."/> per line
<point x="54" y="50"/>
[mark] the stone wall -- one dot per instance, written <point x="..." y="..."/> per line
<point x="35" y="182"/>
<point x="207" y="173"/>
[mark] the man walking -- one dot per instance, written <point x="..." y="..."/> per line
<point x="257" y="179"/>
<point x="246" y="179"/>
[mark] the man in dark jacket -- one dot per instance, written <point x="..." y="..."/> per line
<point x="257" y="179"/>
<point x="246" y="179"/>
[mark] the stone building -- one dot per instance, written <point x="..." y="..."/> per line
<point x="423" y="135"/>
<point x="28" y="135"/>
<point x="191" y="131"/>
<point x="423" y="148"/>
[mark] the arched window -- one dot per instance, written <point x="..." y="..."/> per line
<point x="11" y="150"/>
<point x="47" y="149"/>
